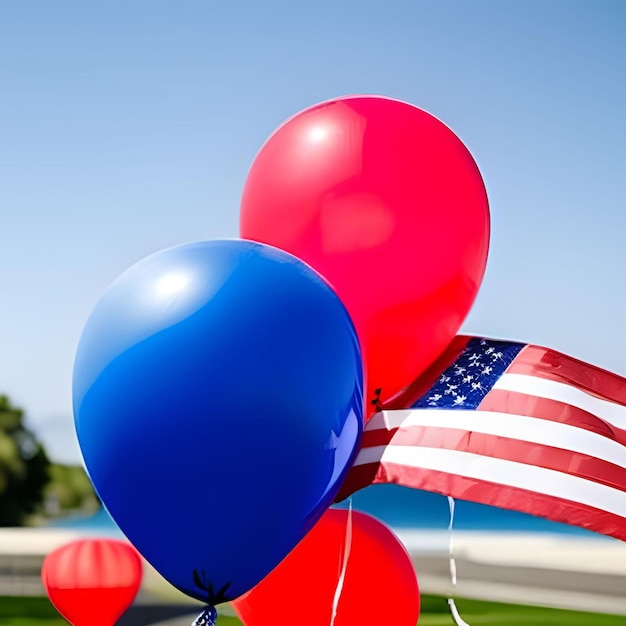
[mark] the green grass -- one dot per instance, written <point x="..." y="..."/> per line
<point x="435" y="612"/>
<point x="39" y="611"/>
<point x="26" y="611"/>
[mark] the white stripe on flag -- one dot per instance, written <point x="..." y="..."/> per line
<point x="561" y="392"/>
<point x="520" y="427"/>
<point x="501" y="472"/>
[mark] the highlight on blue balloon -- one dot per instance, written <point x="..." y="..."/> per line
<point x="218" y="405"/>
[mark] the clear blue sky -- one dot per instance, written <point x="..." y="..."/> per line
<point x="128" y="127"/>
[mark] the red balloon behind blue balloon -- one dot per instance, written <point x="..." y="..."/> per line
<point x="386" y="203"/>
<point x="92" y="582"/>
<point x="351" y="565"/>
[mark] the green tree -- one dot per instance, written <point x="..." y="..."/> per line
<point x="71" y="490"/>
<point x="23" y="467"/>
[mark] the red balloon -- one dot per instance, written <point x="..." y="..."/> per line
<point x="385" y="202"/>
<point x="379" y="578"/>
<point x="91" y="582"/>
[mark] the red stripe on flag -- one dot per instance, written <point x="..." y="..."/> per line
<point x="377" y="437"/>
<point x="359" y="477"/>
<point x="538" y="455"/>
<point x="552" y="365"/>
<point x="495" y="494"/>
<point x="551" y="410"/>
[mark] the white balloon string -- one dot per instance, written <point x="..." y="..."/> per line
<point x="450" y="544"/>
<point x="458" y="620"/>
<point x="344" y="563"/>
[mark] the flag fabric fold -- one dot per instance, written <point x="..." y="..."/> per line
<point x="510" y="425"/>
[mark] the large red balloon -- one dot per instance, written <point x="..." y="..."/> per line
<point x="379" y="586"/>
<point x="385" y="202"/>
<point x="91" y="582"/>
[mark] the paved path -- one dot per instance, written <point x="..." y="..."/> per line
<point x="543" y="570"/>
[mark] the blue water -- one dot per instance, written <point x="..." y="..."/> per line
<point x="406" y="508"/>
<point x="398" y="507"/>
<point x="100" y="523"/>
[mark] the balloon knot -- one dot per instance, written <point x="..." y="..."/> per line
<point x="376" y="401"/>
<point x="213" y="596"/>
<point x="208" y="617"/>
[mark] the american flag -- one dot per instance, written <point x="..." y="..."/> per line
<point x="509" y="425"/>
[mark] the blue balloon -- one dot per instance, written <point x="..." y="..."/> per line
<point x="218" y="405"/>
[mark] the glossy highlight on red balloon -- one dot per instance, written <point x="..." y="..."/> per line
<point x="387" y="203"/>
<point x="378" y="578"/>
<point x="91" y="582"/>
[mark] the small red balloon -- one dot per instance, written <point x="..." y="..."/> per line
<point x="91" y="582"/>
<point x="379" y="583"/>
<point x="387" y="203"/>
